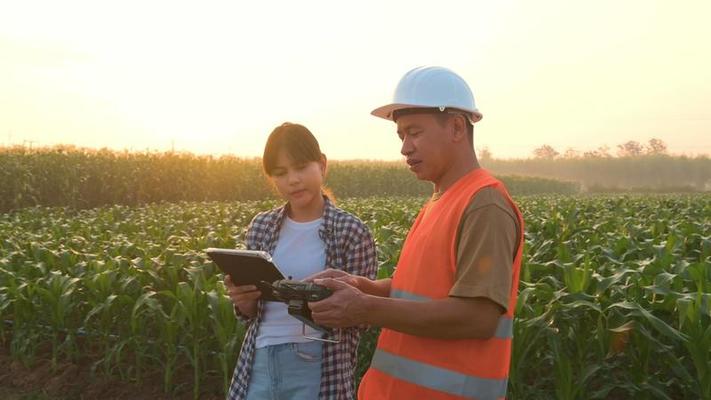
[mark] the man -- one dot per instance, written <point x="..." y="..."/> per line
<point x="447" y="312"/>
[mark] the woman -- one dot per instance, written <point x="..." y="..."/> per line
<point x="304" y="236"/>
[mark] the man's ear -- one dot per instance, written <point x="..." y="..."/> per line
<point x="458" y="125"/>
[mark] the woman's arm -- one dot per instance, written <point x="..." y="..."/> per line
<point x="245" y="298"/>
<point x="360" y="254"/>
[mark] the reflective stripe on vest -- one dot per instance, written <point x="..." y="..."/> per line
<point x="504" y="328"/>
<point x="436" y="378"/>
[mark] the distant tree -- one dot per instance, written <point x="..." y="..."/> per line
<point x="571" y="153"/>
<point x="656" y="147"/>
<point x="604" y="151"/>
<point x="545" y="152"/>
<point x="631" y="148"/>
<point x="601" y="152"/>
<point x="485" y="154"/>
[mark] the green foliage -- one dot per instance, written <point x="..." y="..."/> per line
<point x="615" y="298"/>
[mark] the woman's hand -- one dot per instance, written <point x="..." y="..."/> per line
<point x="244" y="297"/>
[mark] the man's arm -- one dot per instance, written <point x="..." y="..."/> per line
<point x="450" y="318"/>
<point x="486" y="245"/>
<point x="379" y="287"/>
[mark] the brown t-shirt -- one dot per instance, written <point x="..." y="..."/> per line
<point x="487" y="241"/>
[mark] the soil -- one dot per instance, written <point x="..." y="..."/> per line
<point x="75" y="381"/>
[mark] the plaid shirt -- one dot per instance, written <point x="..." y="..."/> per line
<point x="349" y="247"/>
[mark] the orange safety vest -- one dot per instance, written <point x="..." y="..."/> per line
<point x="414" y="367"/>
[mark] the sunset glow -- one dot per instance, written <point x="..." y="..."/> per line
<point x="216" y="77"/>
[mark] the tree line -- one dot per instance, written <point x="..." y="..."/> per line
<point x="630" y="148"/>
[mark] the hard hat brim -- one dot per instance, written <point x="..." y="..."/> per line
<point x="386" y="112"/>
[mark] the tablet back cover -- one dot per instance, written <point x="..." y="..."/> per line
<point x="248" y="267"/>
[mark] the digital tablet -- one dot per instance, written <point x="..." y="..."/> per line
<point x="248" y="267"/>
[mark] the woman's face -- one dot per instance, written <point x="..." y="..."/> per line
<point x="299" y="183"/>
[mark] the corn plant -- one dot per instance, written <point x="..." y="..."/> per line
<point x="59" y="299"/>
<point x="227" y="332"/>
<point x="613" y="300"/>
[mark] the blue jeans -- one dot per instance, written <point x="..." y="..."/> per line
<point x="286" y="371"/>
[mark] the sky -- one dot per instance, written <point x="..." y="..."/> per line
<point x="215" y="77"/>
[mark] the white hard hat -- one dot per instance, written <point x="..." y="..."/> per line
<point x="431" y="87"/>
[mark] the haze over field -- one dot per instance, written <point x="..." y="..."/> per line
<point x="216" y="77"/>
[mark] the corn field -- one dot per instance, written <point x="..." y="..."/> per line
<point x="615" y="297"/>
<point x="65" y="176"/>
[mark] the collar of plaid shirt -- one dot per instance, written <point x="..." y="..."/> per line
<point x="277" y="216"/>
<point x="350" y="247"/>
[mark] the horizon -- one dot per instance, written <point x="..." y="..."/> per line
<point x="561" y="156"/>
<point x="216" y="77"/>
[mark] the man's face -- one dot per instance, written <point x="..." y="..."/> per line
<point x="426" y="145"/>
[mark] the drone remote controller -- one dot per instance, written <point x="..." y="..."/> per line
<point x="296" y="295"/>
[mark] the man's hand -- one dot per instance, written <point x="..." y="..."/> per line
<point x="335" y="274"/>
<point x="344" y="308"/>
<point x="244" y="297"/>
